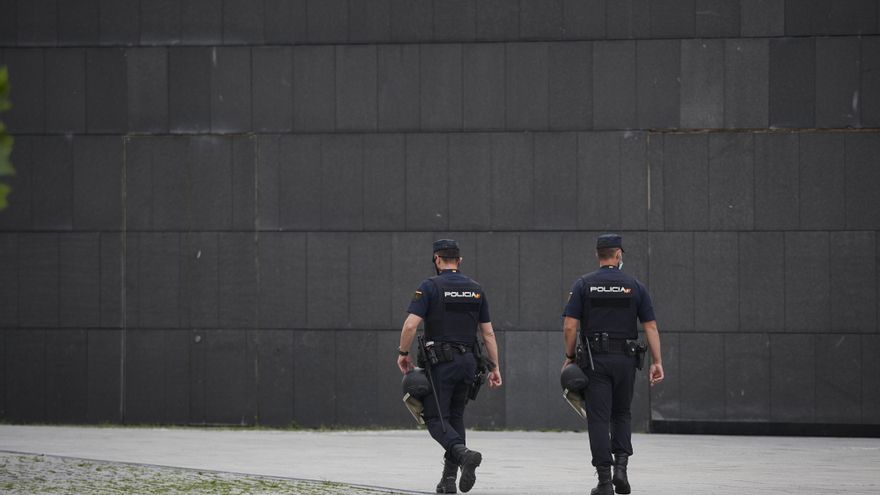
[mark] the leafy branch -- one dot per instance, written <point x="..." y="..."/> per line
<point x="6" y="140"/>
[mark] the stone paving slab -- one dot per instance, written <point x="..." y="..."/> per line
<point x="514" y="462"/>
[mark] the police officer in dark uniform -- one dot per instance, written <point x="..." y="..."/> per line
<point x="607" y="304"/>
<point x="454" y="308"/>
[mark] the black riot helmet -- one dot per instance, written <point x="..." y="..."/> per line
<point x="416" y="384"/>
<point x="573" y="378"/>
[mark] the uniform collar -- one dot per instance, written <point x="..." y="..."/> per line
<point x="449" y="270"/>
<point x="610" y="267"/>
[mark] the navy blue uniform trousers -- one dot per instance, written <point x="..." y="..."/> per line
<point x="452" y="380"/>
<point x="608" y="399"/>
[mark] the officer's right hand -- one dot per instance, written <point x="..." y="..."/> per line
<point x="404" y="363"/>
<point x="655" y="374"/>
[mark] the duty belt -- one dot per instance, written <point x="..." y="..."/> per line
<point x="442" y="352"/>
<point x="602" y="344"/>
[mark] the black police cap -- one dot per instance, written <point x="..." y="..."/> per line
<point x="609" y="241"/>
<point x="444" y="244"/>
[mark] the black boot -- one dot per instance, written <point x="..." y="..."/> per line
<point x="604" y="487"/>
<point x="469" y="460"/>
<point x="450" y="472"/>
<point x="621" y="482"/>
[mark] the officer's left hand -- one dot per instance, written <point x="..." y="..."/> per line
<point x="566" y="363"/>
<point x="495" y="378"/>
<point x="404" y="363"/>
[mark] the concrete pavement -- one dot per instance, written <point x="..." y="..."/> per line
<point x="514" y="462"/>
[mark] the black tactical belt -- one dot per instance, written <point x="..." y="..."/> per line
<point x="608" y="345"/>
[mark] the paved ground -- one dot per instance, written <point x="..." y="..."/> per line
<point x="514" y="462"/>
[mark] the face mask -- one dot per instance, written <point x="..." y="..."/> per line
<point x="620" y="263"/>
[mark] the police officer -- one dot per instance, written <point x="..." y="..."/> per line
<point x="454" y="308"/>
<point x="606" y="304"/>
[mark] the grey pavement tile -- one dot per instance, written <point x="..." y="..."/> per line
<point x="427" y="174"/>
<point x="512" y="180"/>
<point x="686" y="178"/>
<point x="229" y="378"/>
<point x="369" y="21"/>
<point x="854" y="284"/>
<point x="614" y="85"/>
<point x="762" y="18"/>
<point x="9" y="30"/>
<point x="525" y="375"/>
<point x="540" y="19"/>
<point x="440" y="86"/>
<point x="870" y="406"/>
<point x="837" y="82"/>
<point x="27" y="75"/>
<point x="299" y="181"/>
<point x="144" y="376"/>
<point x="106" y="91"/>
<point x="470" y="174"/>
<point x="556" y="181"/>
<point x="411" y="20"/>
<point x="822" y="183"/>
<point x="598" y="187"/>
<point x="147" y="84"/>
<point x="497" y="19"/>
<point x="527" y="87"/>
<point x="9" y="265"/>
<point x="152" y="280"/>
<point x="189" y="89"/>
<point x="807" y="282"/>
<point x="384" y="180"/>
<point x="103" y="385"/>
<point x="267" y="182"/>
<point x="356" y="380"/>
<point x="177" y="366"/>
<point x="792" y="82"/>
<point x="484" y="79"/>
<point x="243" y="22"/>
<point x="160" y="22"/>
<point x="717" y="19"/>
<point x="540" y="257"/>
<point x="731" y="182"/>
<point x="37" y="22"/>
<point x="838" y="377"/>
<point x="119" y="22"/>
<point x="244" y="166"/>
<point x="716" y="282"/>
<point x="25" y="350"/>
<point x="777" y="203"/>
<point x="314" y="373"/>
<point x="328" y="280"/>
<point x="199" y="273"/>
<point x="673" y="19"/>
<point x="762" y="293"/>
<point x="342" y="182"/>
<point x="66" y="376"/>
<point x="397" y="83"/>
<point x="570" y="88"/>
<point x="282" y="277"/>
<point x="746" y="83"/>
<point x="314" y="96"/>
<point x="272" y="89"/>
<point x="327" y="21"/>
<point x="583" y="19"/>
<point x="658" y="86"/>
<point x="65" y="98"/>
<point x="637" y="196"/>
<point x="869" y="90"/>
<point x="273" y="351"/>
<point x="210" y="182"/>
<point x="38" y="276"/>
<point x="807" y="18"/>
<point x="861" y="175"/>
<point x="52" y="200"/>
<point x="237" y="280"/>
<point x="79" y="280"/>
<point x="112" y="281"/>
<point x="701" y="396"/>
<point x="702" y="83"/>
<point x="356" y="83"/>
<point x="672" y="279"/>
<point x="201" y="22"/>
<point x="231" y="89"/>
<point x="370" y="277"/>
<point x="628" y="19"/>
<point x="455" y="20"/>
<point x="854" y="17"/>
<point x="502" y="285"/>
<point x="747" y="377"/>
<point x="285" y="21"/>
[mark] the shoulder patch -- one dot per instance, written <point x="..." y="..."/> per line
<point x="417" y="296"/>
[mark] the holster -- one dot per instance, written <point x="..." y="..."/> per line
<point x="638" y="350"/>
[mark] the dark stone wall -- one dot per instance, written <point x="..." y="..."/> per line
<point x="222" y="207"/>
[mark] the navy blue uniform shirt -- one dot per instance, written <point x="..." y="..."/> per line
<point x="427" y="297"/>
<point x="575" y="307"/>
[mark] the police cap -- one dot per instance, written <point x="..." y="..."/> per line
<point x="609" y="241"/>
<point x="446" y="244"/>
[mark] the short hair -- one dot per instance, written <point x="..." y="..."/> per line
<point x="448" y="254"/>
<point x="606" y="253"/>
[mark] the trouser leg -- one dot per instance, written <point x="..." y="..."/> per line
<point x="598" y="405"/>
<point x="621" y="415"/>
<point x="444" y="384"/>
